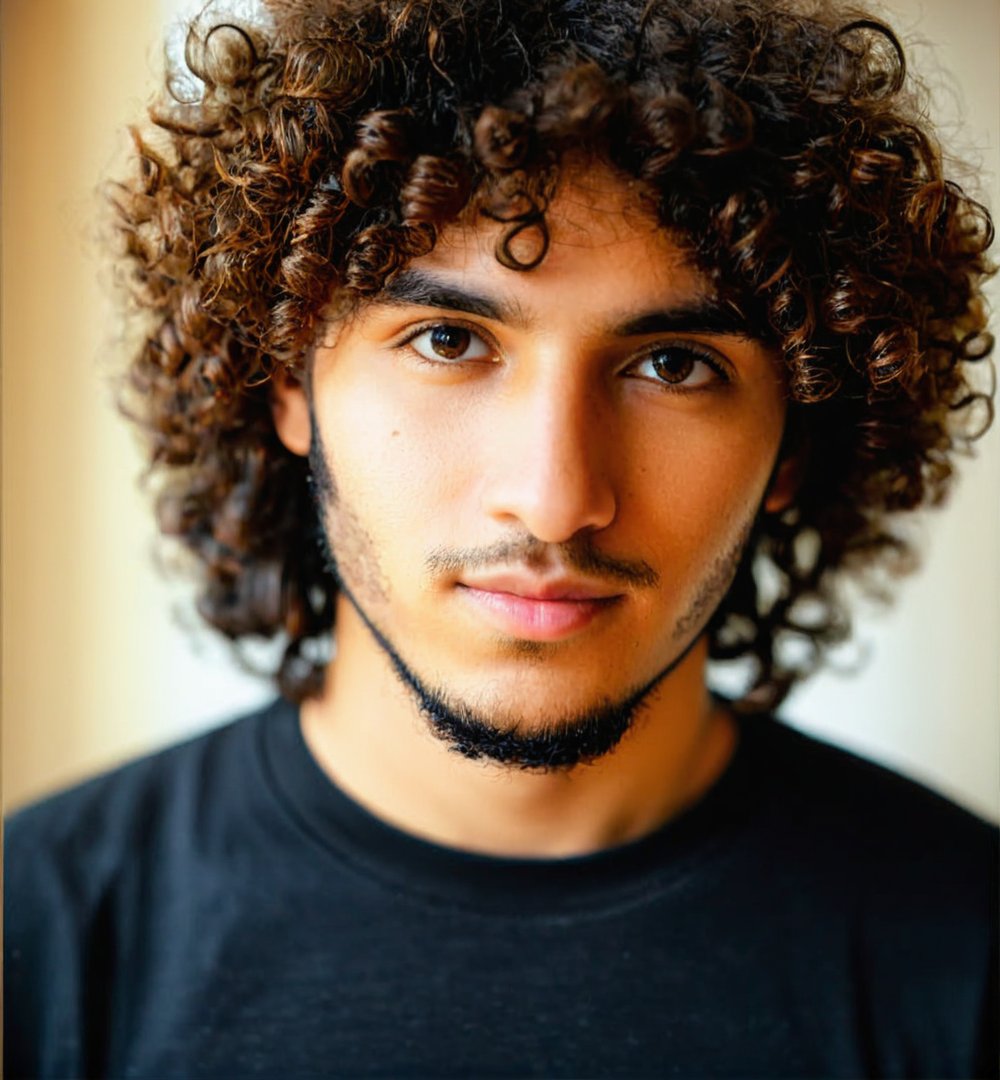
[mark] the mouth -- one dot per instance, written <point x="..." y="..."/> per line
<point x="537" y="611"/>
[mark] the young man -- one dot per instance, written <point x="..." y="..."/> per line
<point x="545" y="351"/>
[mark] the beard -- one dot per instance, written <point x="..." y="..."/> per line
<point x="576" y="739"/>
<point x="467" y="728"/>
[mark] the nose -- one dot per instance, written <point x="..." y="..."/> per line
<point x="551" y="470"/>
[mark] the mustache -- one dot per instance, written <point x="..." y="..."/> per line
<point x="579" y="554"/>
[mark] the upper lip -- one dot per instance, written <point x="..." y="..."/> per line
<point x="532" y="587"/>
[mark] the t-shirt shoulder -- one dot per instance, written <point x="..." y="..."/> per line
<point x="814" y="772"/>
<point x="81" y="832"/>
<point x="92" y="868"/>
<point x="844" y="811"/>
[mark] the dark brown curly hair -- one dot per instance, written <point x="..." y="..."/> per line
<point x="327" y="144"/>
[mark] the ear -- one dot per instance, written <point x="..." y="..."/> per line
<point x="290" y="410"/>
<point x="785" y="482"/>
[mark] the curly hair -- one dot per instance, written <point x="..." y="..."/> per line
<point x="329" y="143"/>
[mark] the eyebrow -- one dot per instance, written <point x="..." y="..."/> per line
<point x="699" y="315"/>
<point x="702" y="315"/>
<point x="416" y="287"/>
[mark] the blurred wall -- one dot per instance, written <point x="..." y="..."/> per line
<point x="96" y="664"/>
<point x="102" y="659"/>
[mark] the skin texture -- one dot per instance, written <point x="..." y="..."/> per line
<point x="548" y="448"/>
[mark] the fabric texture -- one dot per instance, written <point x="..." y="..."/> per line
<point x="221" y="909"/>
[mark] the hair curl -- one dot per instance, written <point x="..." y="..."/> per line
<point x="331" y="142"/>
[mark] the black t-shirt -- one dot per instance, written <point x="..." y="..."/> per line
<point x="221" y="909"/>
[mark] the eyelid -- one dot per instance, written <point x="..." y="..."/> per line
<point x="713" y="358"/>
<point x="413" y="332"/>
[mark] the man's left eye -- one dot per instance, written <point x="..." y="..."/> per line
<point x="448" y="342"/>
<point x="683" y="366"/>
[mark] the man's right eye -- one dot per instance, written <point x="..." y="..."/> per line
<point x="448" y="342"/>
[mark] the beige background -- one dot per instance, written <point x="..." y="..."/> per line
<point x="97" y="663"/>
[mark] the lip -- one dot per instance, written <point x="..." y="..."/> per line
<point x="536" y="610"/>
<point x="532" y="587"/>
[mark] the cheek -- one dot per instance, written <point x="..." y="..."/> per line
<point x="708" y="473"/>
<point x="394" y="463"/>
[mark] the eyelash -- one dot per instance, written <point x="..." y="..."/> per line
<point x="449" y="324"/>
<point x="697" y="352"/>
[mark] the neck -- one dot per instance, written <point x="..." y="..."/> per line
<point x="366" y="733"/>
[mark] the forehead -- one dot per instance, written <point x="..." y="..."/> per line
<point x="606" y="248"/>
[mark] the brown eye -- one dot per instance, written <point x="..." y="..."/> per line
<point x="674" y="365"/>
<point x="682" y="366"/>
<point x="450" y="341"/>
<point x="447" y="342"/>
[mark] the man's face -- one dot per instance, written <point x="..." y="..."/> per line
<point x="538" y="484"/>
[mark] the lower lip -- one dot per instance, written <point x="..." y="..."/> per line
<point x="537" y="620"/>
